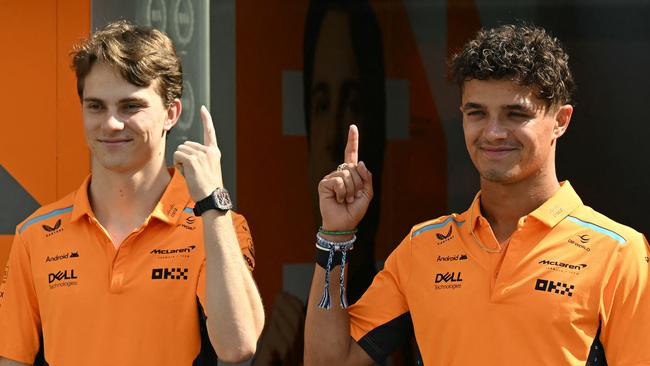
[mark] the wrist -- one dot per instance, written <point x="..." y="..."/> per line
<point x="337" y="238"/>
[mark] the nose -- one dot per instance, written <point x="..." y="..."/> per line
<point x="112" y="123"/>
<point x="495" y="130"/>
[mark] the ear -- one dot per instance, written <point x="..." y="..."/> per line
<point x="173" y="113"/>
<point x="562" y="120"/>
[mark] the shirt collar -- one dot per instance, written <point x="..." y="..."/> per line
<point x="551" y="212"/>
<point x="559" y="206"/>
<point x="173" y="202"/>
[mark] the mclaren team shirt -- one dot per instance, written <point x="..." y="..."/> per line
<point x="67" y="289"/>
<point x="568" y="279"/>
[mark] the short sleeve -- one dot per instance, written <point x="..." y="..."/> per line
<point x="20" y="323"/>
<point x="245" y="240"/>
<point x="625" y="311"/>
<point x="380" y="321"/>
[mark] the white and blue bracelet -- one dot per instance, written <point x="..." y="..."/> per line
<point x="329" y="255"/>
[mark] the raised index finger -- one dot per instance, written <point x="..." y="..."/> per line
<point x="352" y="146"/>
<point x="209" y="136"/>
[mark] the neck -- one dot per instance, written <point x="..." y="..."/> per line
<point x="503" y="204"/>
<point x="126" y="199"/>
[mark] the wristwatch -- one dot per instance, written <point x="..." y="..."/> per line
<point x="218" y="200"/>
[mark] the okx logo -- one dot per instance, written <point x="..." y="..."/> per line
<point x="445" y="237"/>
<point x="169" y="273"/>
<point x="51" y="230"/>
<point x="554" y="287"/>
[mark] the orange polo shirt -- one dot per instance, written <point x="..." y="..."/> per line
<point x="97" y="305"/>
<point x="567" y="274"/>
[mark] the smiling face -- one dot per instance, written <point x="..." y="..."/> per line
<point x="125" y="125"/>
<point x="510" y="133"/>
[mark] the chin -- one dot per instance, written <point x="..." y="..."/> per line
<point x="498" y="176"/>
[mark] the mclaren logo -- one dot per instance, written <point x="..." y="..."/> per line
<point x="174" y="251"/>
<point x="577" y="267"/>
<point x="445" y="237"/>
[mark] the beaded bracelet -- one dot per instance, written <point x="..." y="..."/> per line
<point x="345" y="232"/>
<point x="331" y="247"/>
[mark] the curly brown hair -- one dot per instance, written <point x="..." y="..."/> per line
<point x="525" y="54"/>
<point x="141" y="55"/>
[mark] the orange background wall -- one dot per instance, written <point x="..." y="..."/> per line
<point x="41" y="144"/>
<point x="273" y="183"/>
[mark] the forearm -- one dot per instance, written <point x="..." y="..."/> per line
<point x="234" y="308"/>
<point x="327" y="331"/>
<point x="7" y="362"/>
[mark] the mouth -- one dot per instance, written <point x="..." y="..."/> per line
<point x="114" y="141"/>
<point x="497" y="152"/>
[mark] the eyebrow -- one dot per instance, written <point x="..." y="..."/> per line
<point x="520" y="107"/>
<point x="510" y="107"/>
<point x="125" y="100"/>
<point x="471" y="105"/>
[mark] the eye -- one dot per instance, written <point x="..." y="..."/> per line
<point x="519" y="115"/>
<point x="321" y="105"/>
<point x="94" y="106"/>
<point x="476" y="114"/>
<point x="132" y="107"/>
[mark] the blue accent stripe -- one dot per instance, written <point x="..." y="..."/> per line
<point x="436" y="226"/>
<point x="188" y="210"/>
<point x="43" y="217"/>
<point x="599" y="229"/>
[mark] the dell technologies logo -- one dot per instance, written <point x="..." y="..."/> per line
<point x="65" y="278"/>
<point x="448" y="281"/>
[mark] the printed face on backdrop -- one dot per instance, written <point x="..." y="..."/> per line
<point x="335" y="100"/>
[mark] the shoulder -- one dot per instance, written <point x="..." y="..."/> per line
<point x="611" y="231"/>
<point x="441" y="227"/>
<point x="48" y="218"/>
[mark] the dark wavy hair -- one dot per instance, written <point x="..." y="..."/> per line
<point x="140" y="54"/>
<point x="525" y="54"/>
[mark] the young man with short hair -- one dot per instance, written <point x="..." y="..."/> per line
<point x="122" y="271"/>
<point x="528" y="275"/>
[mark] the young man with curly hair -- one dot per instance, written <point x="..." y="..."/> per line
<point x="143" y="264"/>
<point x="528" y="275"/>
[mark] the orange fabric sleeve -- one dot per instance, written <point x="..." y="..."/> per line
<point x="384" y="300"/>
<point x="20" y="322"/>
<point x="625" y="307"/>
